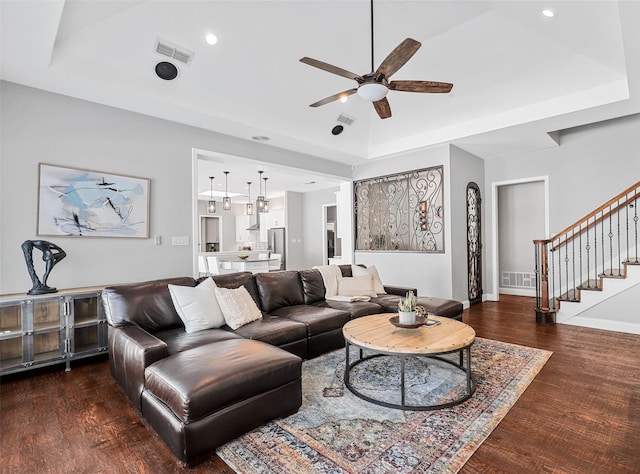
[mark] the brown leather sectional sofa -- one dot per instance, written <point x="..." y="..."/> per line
<point x="199" y="390"/>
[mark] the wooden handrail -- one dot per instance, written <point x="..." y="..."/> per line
<point x="592" y="214"/>
<point x="546" y="306"/>
<point x="593" y="223"/>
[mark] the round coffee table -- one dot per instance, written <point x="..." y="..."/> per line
<point x="377" y="334"/>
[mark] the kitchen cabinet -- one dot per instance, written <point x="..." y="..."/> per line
<point x="276" y="218"/>
<point x="268" y="220"/>
<point x="265" y="225"/>
<point x="41" y="330"/>
<point x="242" y="223"/>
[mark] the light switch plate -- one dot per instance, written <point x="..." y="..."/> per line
<point x="180" y="240"/>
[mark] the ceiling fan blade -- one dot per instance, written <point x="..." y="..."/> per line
<point x="332" y="69"/>
<point x="421" y="86"/>
<point x="398" y="57"/>
<point x="383" y="108"/>
<point x="333" y="97"/>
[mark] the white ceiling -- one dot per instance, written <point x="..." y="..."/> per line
<point x="517" y="75"/>
<point x="279" y="178"/>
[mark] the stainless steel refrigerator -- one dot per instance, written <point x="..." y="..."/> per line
<point x="278" y="244"/>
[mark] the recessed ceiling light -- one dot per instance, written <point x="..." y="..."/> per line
<point x="548" y="13"/>
<point x="211" y="39"/>
<point x="260" y="138"/>
<point x="344" y="98"/>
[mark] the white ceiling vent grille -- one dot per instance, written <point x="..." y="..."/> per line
<point x="170" y="50"/>
<point x="346" y="119"/>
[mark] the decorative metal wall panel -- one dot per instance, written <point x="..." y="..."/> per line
<point x="474" y="243"/>
<point x="401" y="212"/>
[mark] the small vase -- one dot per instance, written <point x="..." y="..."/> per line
<point x="407" y="317"/>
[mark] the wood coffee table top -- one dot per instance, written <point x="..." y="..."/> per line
<point x="377" y="333"/>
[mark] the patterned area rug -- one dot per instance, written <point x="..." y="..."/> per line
<point x="337" y="432"/>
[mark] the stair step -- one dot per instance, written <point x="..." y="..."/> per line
<point x="571" y="295"/>
<point x="590" y="285"/>
<point x="612" y="273"/>
<point x="631" y="262"/>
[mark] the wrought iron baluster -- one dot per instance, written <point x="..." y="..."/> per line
<point x="626" y="222"/>
<point x="553" y="276"/>
<point x="560" y="267"/>
<point x="573" y="261"/>
<point x="602" y="239"/>
<point x="635" y="220"/>
<point x="588" y="249"/>
<point x="595" y="253"/>
<point x="610" y="235"/>
<point x="580" y="253"/>
<point x="566" y="263"/>
<point x="618" y="253"/>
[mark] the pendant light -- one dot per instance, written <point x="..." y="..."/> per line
<point x="211" y="205"/>
<point x="265" y="207"/>
<point x="260" y="198"/>
<point x="226" y="201"/>
<point x="249" y="204"/>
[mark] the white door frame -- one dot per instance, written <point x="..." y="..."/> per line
<point x="495" y="296"/>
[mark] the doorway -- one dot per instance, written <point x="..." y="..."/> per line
<point x="331" y="248"/>
<point x="210" y="235"/>
<point x="514" y="204"/>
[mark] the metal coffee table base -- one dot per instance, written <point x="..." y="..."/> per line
<point x="464" y="366"/>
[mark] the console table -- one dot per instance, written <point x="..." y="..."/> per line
<point x="53" y="328"/>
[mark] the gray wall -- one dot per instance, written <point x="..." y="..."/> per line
<point x="592" y="164"/>
<point x="519" y="224"/>
<point x="295" y="230"/>
<point x="38" y="126"/>
<point x="465" y="168"/>
<point x="430" y="273"/>
<point x="314" y="238"/>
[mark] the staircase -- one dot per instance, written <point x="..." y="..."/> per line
<point x="580" y="270"/>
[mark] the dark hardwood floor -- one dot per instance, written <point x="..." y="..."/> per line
<point x="581" y="414"/>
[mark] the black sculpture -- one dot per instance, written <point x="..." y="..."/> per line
<point x="51" y="254"/>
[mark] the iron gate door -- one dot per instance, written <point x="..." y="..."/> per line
<point x="474" y="243"/>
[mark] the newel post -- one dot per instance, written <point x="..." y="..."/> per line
<point x="544" y="314"/>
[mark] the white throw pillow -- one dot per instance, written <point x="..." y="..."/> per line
<point x="197" y="307"/>
<point x="356" y="286"/>
<point x="378" y="287"/>
<point x="237" y="306"/>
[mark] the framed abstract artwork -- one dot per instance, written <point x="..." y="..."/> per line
<point x="78" y="202"/>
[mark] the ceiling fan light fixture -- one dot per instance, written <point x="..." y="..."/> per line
<point x="373" y="91"/>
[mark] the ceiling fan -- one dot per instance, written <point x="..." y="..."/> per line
<point x="375" y="85"/>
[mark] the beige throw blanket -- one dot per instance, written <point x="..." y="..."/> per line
<point x="331" y="274"/>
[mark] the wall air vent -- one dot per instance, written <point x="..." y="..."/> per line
<point x="344" y="118"/>
<point x="170" y="50"/>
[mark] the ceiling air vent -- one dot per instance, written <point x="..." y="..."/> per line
<point x="346" y="119"/>
<point x="170" y="50"/>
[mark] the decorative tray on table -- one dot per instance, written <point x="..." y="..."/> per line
<point x="420" y="321"/>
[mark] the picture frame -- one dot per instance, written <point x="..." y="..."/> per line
<point x="86" y="203"/>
